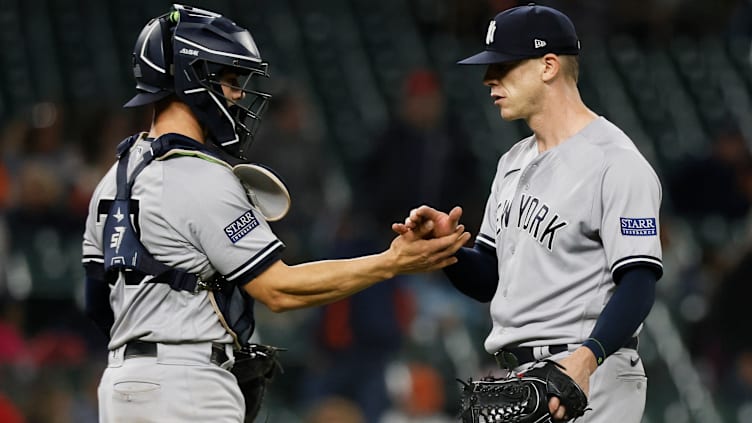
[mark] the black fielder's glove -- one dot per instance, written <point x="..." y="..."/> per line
<point x="523" y="397"/>
<point x="255" y="367"/>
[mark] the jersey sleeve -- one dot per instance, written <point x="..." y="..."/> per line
<point x="223" y="224"/>
<point x="630" y="226"/>
<point x="489" y="226"/>
<point x="92" y="248"/>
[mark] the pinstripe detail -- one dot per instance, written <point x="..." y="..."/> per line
<point x="255" y="260"/>
<point x="654" y="261"/>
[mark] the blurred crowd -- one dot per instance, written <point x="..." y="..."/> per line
<point x="391" y="353"/>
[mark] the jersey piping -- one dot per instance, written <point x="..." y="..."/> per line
<point x="253" y="267"/>
<point x="629" y="261"/>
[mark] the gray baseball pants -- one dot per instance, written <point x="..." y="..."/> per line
<point x="180" y="384"/>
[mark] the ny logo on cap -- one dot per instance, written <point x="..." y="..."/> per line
<point x="491" y="31"/>
<point x="539" y="43"/>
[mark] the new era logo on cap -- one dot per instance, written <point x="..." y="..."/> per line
<point x="525" y="32"/>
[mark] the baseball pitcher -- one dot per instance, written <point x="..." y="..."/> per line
<point x="568" y="252"/>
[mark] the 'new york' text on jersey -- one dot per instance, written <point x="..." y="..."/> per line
<point x="557" y="222"/>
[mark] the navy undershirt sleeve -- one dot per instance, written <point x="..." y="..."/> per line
<point x="624" y="312"/>
<point x="97" y="298"/>
<point x="476" y="272"/>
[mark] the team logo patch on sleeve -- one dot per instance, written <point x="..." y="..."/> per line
<point x="241" y="226"/>
<point x="642" y="226"/>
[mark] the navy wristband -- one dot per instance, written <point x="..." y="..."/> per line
<point x="597" y="348"/>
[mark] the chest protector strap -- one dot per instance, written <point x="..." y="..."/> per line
<point x="124" y="252"/>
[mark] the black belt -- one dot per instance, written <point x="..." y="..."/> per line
<point x="511" y="357"/>
<point x="149" y="349"/>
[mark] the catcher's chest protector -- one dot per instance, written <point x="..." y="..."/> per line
<point x="125" y="254"/>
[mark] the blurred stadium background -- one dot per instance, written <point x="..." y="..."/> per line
<point x="371" y="117"/>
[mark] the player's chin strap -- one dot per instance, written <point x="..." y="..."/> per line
<point x="124" y="252"/>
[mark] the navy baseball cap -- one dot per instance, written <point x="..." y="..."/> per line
<point x="524" y="32"/>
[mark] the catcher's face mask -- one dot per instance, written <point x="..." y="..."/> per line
<point x="207" y="48"/>
<point x="238" y="104"/>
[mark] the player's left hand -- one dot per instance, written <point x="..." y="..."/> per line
<point x="579" y="366"/>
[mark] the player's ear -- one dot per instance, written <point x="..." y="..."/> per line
<point x="551" y="67"/>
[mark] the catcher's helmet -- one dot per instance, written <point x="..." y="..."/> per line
<point x="185" y="52"/>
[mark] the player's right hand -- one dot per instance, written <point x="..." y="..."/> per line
<point x="412" y="253"/>
<point x="429" y="222"/>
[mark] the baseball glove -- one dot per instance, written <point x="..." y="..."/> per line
<point x="523" y="397"/>
<point x="254" y="368"/>
<point x="265" y="188"/>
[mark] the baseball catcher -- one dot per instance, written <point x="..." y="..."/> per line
<point x="522" y="397"/>
<point x="178" y="248"/>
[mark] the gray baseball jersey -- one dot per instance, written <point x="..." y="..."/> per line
<point x="562" y="222"/>
<point x="191" y="213"/>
